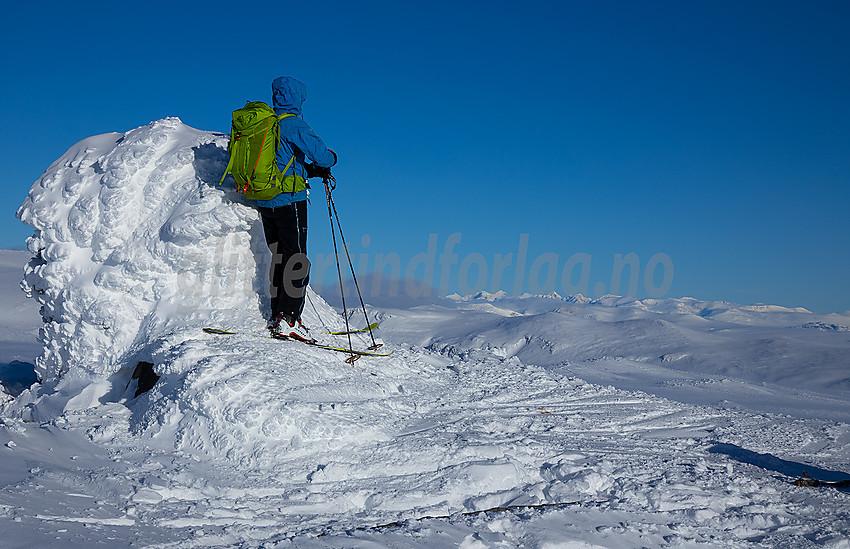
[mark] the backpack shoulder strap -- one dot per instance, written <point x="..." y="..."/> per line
<point x="227" y="169"/>
<point x="291" y="160"/>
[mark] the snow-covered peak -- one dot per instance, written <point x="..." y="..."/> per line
<point x="479" y="296"/>
<point x="762" y="308"/>
<point x="616" y="306"/>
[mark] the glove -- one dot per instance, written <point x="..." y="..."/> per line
<point x="318" y="171"/>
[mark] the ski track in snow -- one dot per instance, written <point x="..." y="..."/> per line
<point x="423" y="435"/>
<point x="614" y="408"/>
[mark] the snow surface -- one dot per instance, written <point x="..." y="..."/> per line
<point x="498" y="421"/>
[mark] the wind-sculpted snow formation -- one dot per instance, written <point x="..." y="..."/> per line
<point x="131" y="240"/>
<point x="135" y="249"/>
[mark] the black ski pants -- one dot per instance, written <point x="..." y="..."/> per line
<point x="285" y="228"/>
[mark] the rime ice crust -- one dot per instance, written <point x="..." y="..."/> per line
<point x="136" y="247"/>
<point x="132" y="238"/>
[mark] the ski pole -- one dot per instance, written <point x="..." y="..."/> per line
<point x="353" y="357"/>
<point x="353" y="276"/>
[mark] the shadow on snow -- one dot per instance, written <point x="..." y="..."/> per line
<point x="773" y="463"/>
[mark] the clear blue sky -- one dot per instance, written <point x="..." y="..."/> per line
<point x="717" y="133"/>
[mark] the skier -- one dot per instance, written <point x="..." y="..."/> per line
<point x="285" y="216"/>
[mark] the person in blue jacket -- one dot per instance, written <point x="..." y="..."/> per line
<point x="285" y="216"/>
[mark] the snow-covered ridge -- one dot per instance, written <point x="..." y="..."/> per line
<point x="612" y="339"/>
<point x="683" y="304"/>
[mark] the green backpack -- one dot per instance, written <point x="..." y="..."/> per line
<point x="254" y="136"/>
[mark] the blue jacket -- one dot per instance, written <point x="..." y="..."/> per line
<point x="296" y="137"/>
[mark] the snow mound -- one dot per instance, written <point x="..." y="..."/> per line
<point x="136" y="248"/>
<point x="133" y="239"/>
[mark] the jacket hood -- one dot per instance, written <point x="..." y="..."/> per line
<point x="288" y="94"/>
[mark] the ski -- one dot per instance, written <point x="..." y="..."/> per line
<point x="313" y="343"/>
<point x="368" y="328"/>
<point x="218" y="331"/>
